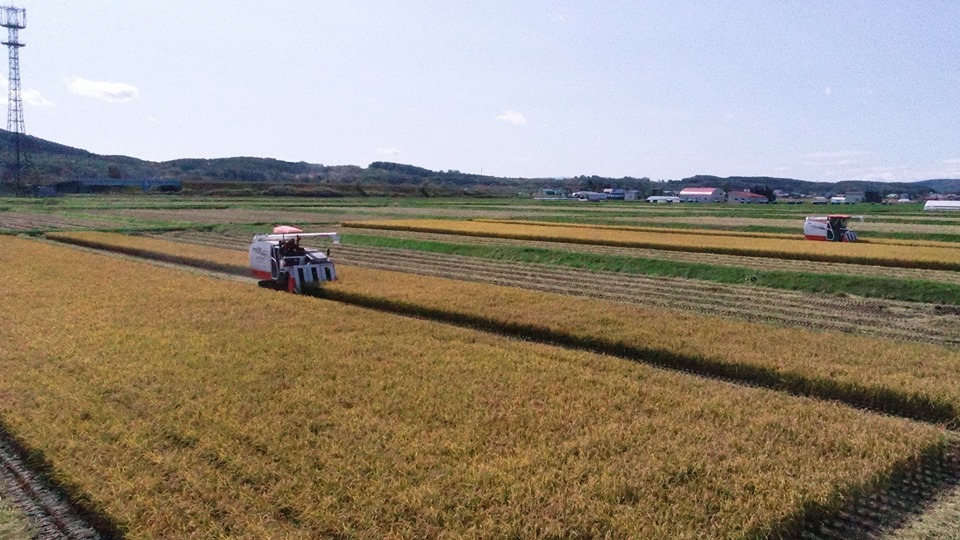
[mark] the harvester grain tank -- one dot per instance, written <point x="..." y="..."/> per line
<point x="832" y="228"/>
<point x="280" y="262"/>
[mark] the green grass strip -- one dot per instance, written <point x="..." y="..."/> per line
<point x="872" y="287"/>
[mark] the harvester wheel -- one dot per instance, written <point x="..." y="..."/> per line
<point x="268" y="284"/>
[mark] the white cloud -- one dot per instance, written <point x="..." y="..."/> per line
<point x="107" y="91"/>
<point x="828" y="91"/>
<point x="955" y="161"/>
<point x="513" y="117"/>
<point x="388" y="151"/>
<point x="33" y="97"/>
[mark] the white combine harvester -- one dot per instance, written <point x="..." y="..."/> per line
<point x="279" y="262"/>
<point x="832" y="228"/>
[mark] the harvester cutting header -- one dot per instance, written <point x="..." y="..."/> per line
<point x="832" y="228"/>
<point x="280" y="262"/>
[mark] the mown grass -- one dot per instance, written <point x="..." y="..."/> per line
<point x="905" y="256"/>
<point x="873" y="287"/>
<point x="914" y="380"/>
<point x="184" y="406"/>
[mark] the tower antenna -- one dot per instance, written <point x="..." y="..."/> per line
<point x="14" y="19"/>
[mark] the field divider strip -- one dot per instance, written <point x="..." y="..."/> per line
<point x="873" y="397"/>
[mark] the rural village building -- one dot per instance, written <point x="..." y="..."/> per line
<point x="746" y="197"/>
<point x="701" y="194"/>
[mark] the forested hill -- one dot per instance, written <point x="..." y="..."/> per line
<point x="51" y="163"/>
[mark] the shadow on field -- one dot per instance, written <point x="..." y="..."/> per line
<point x="55" y="510"/>
<point x="886" y="505"/>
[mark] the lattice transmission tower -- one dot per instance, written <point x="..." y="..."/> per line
<point x="14" y="19"/>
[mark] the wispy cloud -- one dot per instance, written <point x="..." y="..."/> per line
<point x="114" y="92"/>
<point x="513" y="117"/>
<point x="836" y="154"/>
<point x="388" y="151"/>
<point x="33" y="97"/>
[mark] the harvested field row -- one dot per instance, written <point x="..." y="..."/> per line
<point x="652" y="227"/>
<point x="871" y="254"/>
<point x="760" y="263"/>
<point x="920" y="381"/>
<point x="27" y="221"/>
<point x="200" y="417"/>
<point x="881" y="318"/>
<point x="217" y="217"/>
<point x="281" y="215"/>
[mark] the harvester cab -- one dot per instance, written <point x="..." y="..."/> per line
<point x="832" y="228"/>
<point x="280" y="262"/>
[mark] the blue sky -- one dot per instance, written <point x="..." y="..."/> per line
<point x="820" y="91"/>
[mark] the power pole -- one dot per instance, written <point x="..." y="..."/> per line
<point x="14" y="19"/>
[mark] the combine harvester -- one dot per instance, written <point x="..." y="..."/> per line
<point x="832" y="228"/>
<point x="280" y="263"/>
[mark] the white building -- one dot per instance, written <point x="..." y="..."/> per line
<point x="702" y="195"/>
<point x="942" y="206"/>
<point x="663" y="199"/>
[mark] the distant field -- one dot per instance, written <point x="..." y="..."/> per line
<point x="942" y="258"/>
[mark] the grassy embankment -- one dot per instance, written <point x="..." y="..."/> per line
<point x="210" y="414"/>
<point x="856" y="253"/>
<point x="920" y="381"/>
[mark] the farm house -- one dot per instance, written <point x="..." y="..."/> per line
<point x="701" y="195"/>
<point x="745" y="197"/>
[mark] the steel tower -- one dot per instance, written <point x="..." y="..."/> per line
<point x="14" y="19"/>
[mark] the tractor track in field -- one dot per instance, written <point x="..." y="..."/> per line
<point x="50" y="514"/>
<point x="741" y="261"/>
<point x="907" y="321"/>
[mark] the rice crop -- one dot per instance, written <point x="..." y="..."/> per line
<point x="227" y="410"/>
<point x="908" y="256"/>
<point x="910" y="379"/>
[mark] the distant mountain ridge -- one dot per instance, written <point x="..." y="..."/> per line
<point x="51" y="163"/>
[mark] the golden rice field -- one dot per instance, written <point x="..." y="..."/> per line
<point x="909" y="256"/>
<point x="184" y="406"/>
<point x="910" y="378"/>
